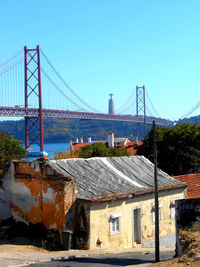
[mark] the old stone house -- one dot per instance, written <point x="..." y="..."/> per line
<point x="106" y="202"/>
<point x="115" y="202"/>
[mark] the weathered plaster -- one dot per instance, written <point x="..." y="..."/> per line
<point x="48" y="196"/>
<point x="30" y="196"/>
<point x="5" y="196"/>
<point x="166" y="241"/>
<point x="100" y="236"/>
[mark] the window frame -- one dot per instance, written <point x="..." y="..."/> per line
<point x="172" y="207"/>
<point x="115" y="222"/>
<point x="153" y="212"/>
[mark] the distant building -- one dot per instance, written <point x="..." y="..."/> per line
<point x="111" y="142"/>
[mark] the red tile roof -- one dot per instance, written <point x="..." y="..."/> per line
<point x="79" y="145"/>
<point x="193" y="181"/>
<point x="130" y="146"/>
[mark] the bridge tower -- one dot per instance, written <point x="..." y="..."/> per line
<point x="141" y="107"/>
<point x="33" y="92"/>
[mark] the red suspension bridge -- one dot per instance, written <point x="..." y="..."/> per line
<point x="21" y="96"/>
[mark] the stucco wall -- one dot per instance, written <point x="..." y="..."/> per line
<point x="37" y="195"/>
<point x="100" y="214"/>
<point x="5" y="196"/>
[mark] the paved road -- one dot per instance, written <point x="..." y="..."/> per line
<point x="106" y="260"/>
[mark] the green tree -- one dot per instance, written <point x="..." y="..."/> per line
<point x="10" y="149"/>
<point x="178" y="148"/>
<point x="101" y="150"/>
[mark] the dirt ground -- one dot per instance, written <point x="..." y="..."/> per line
<point x="21" y="252"/>
<point x="25" y="254"/>
<point x="175" y="262"/>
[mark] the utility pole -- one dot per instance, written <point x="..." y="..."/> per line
<point x="157" y="250"/>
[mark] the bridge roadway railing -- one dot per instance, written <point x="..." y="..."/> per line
<point x="52" y="113"/>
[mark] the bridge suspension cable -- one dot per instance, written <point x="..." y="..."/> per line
<point x="191" y="111"/>
<point x="69" y="99"/>
<point x="11" y="92"/>
<point x="125" y="103"/>
<point x="152" y="105"/>
<point x="5" y="69"/>
<point x="66" y="85"/>
<point x="128" y="107"/>
<point x="10" y="58"/>
<point x="149" y="112"/>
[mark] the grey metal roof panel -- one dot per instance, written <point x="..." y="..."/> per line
<point x="103" y="176"/>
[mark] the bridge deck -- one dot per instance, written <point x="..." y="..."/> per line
<point x="52" y="113"/>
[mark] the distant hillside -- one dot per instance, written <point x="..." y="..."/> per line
<point x="191" y="120"/>
<point x="64" y="130"/>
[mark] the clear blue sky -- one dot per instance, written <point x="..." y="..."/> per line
<point x="110" y="46"/>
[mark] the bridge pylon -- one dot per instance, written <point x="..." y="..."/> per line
<point x="33" y="93"/>
<point x="141" y="107"/>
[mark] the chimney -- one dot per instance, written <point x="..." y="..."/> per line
<point x="81" y="139"/>
<point x="136" y="140"/>
<point x="71" y="146"/>
<point x="77" y="140"/>
<point x="110" y="139"/>
<point x="89" y="140"/>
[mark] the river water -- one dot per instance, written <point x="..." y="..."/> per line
<point x="51" y="149"/>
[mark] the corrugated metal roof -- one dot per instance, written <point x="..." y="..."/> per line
<point x="96" y="177"/>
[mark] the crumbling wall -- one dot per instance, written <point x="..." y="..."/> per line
<point x="35" y="193"/>
<point x="81" y="226"/>
<point x="5" y="197"/>
<point x="187" y="214"/>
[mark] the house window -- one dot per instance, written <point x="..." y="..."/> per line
<point x="115" y="225"/>
<point x="153" y="212"/>
<point x="114" y="220"/>
<point x="172" y="209"/>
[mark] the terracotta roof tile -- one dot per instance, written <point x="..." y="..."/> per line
<point x="193" y="181"/>
<point x="79" y="145"/>
<point x="130" y="146"/>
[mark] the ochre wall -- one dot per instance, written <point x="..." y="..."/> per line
<point x="36" y="197"/>
<point x="100" y="214"/>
